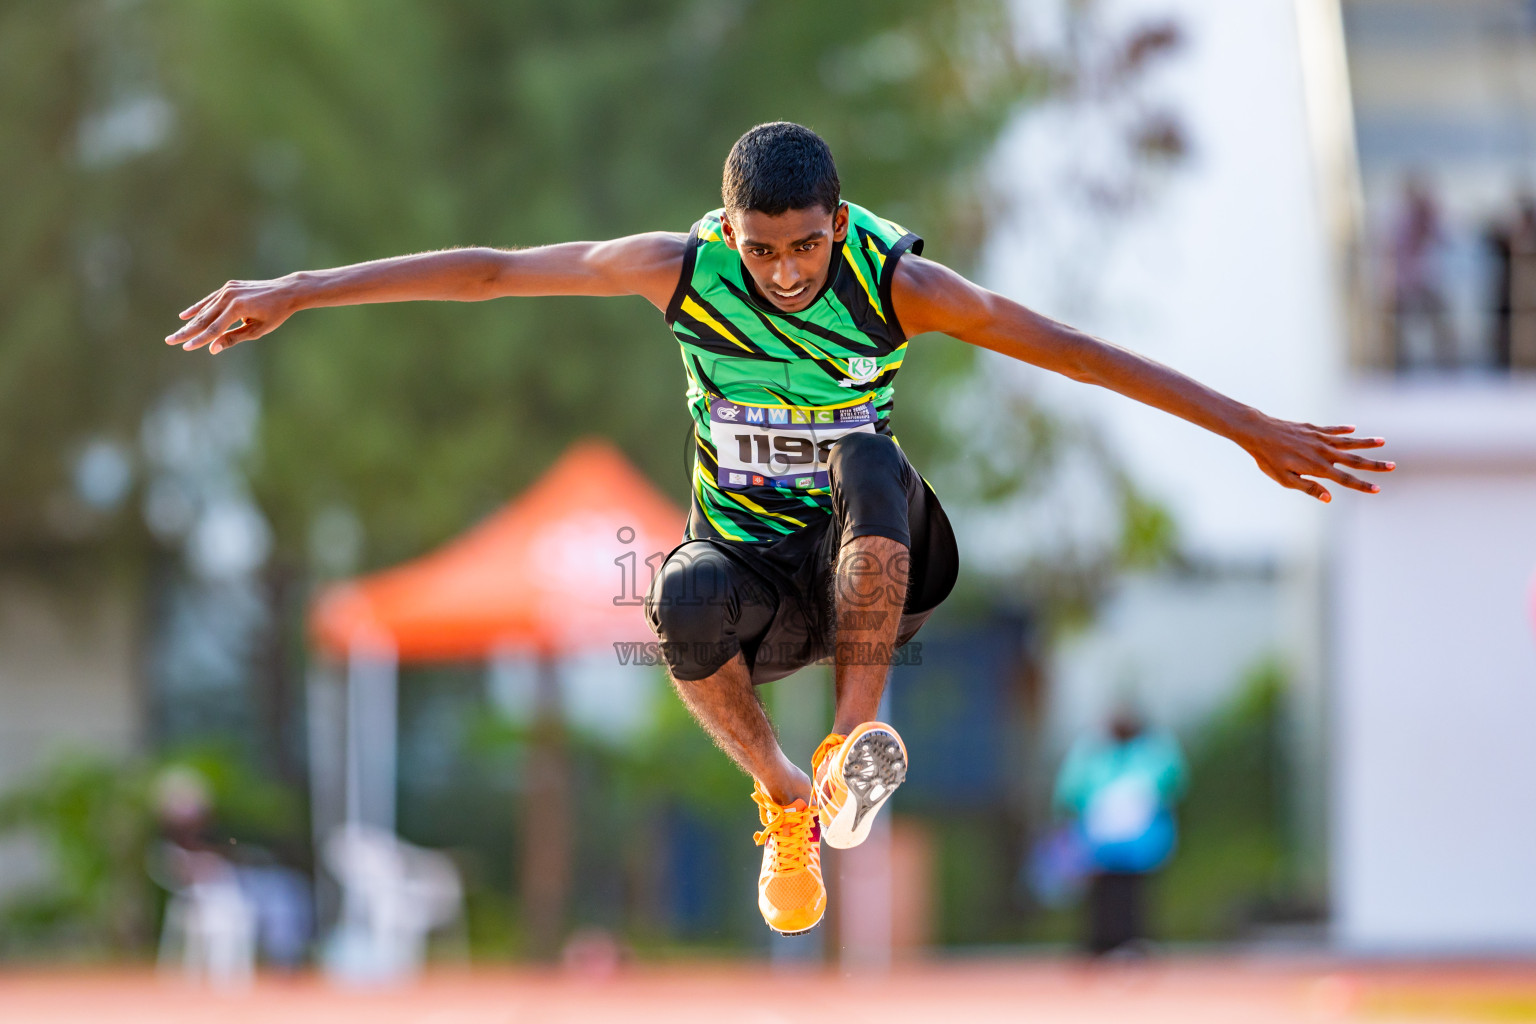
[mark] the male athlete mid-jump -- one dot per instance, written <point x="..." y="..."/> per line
<point x="810" y="534"/>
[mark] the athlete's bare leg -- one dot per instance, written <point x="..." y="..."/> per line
<point x="871" y="589"/>
<point x="726" y="705"/>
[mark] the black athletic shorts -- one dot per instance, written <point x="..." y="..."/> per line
<point x="775" y="602"/>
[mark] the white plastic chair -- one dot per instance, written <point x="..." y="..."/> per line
<point x="210" y="924"/>
<point x="394" y="895"/>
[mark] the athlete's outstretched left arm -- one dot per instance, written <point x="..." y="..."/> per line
<point x="928" y="296"/>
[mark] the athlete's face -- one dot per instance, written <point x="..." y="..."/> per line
<point x="789" y="254"/>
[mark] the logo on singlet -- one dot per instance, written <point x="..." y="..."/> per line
<point x="861" y="370"/>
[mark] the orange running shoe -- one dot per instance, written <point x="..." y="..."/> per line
<point x="853" y="776"/>
<point x="790" y="892"/>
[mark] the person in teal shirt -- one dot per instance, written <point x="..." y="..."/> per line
<point x="1120" y="787"/>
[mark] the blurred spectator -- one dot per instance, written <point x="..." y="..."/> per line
<point x="221" y="912"/>
<point x="1498" y="238"/>
<point x="1519" y="346"/>
<point x="210" y="925"/>
<point x="1120" y="787"/>
<point x="1418" y="287"/>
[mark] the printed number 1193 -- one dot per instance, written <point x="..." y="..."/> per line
<point x="789" y="451"/>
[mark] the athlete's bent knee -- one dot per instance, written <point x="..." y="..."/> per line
<point x="864" y="453"/>
<point x="871" y="488"/>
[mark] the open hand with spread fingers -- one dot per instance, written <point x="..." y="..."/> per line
<point x="237" y="312"/>
<point x="1289" y="453"/>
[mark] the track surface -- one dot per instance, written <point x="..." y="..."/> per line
<point x="1237" y="991"/>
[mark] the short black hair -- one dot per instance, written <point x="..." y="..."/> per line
<point x="780" y="166"/>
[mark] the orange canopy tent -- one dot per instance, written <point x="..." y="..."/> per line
<point x="558" y="570"/>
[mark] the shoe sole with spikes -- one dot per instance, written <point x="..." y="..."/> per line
<point x="873" y="763"/>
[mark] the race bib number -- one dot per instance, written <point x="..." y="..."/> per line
<point x="762" y="446"/>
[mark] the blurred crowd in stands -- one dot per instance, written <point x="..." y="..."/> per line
<point x="1461" y="299"/>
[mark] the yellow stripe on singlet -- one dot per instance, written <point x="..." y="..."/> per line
<point x="705" y="480"/>
<point x="748" y="503"/>
<point x="702" y="315"/>
<point x="874" y="303"/>
<point x="724" y="530"/>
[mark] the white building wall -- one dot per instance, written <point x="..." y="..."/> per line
<point x="66" y="687"/>
<point x="66" y="673"/>
<point x="1434" y="828"/>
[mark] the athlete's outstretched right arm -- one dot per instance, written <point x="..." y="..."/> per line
<point x="647" y="265"/>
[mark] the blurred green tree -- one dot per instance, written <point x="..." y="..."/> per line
<point x="165" y="146"/>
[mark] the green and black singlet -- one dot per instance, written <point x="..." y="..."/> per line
<point x="769" y="391"/>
